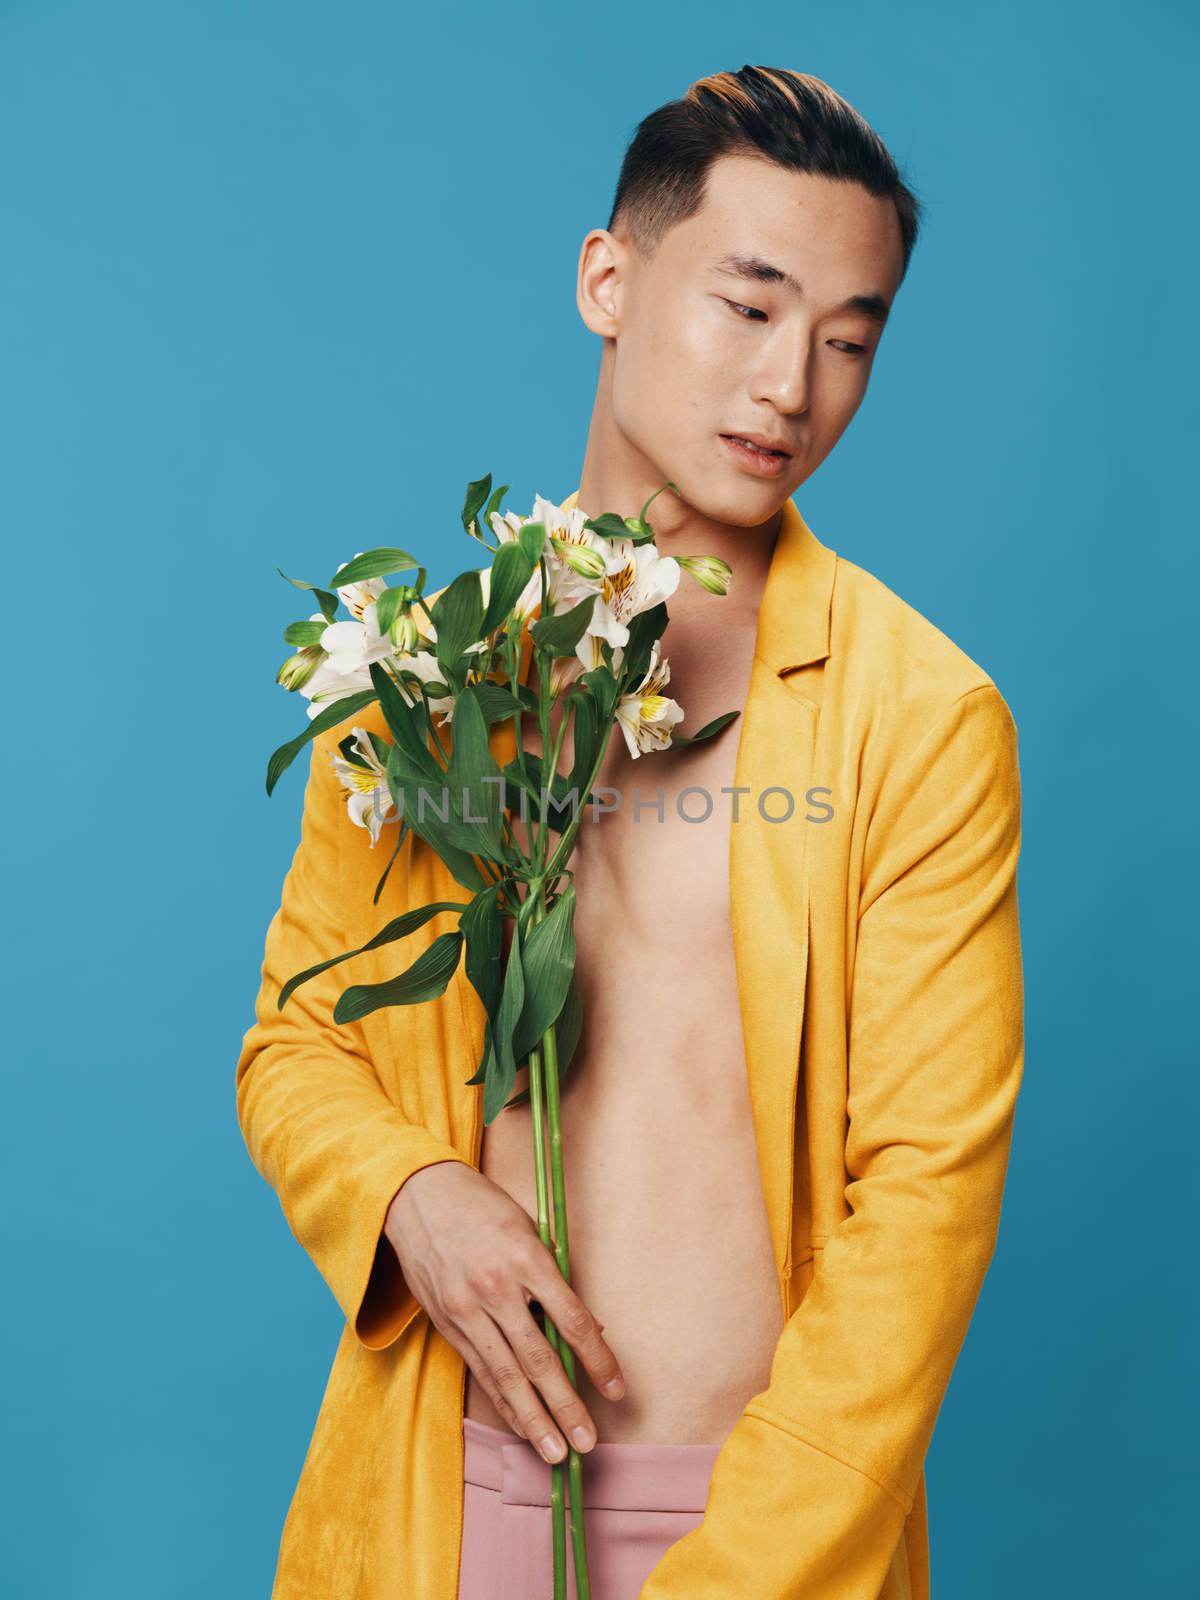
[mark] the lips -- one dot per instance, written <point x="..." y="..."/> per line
<point x="760" y="441"/>
<point x="750" y="458"/>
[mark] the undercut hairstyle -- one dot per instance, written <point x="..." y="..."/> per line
<point x="790" y="118"/>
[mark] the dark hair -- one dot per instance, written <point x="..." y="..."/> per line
<point x="790" y="118"/>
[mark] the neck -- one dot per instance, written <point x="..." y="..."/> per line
<point x="622" y="482"/>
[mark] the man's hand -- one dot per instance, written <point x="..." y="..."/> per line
<point x="474" y="1260"/>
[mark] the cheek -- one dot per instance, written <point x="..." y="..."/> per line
<point x="660" y="375"/>
<point x="839" y="393"/>
<point x="711" y="350"/>
<point x="831" y="411"/>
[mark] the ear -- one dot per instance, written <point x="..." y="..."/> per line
<point x="603" y="260"/>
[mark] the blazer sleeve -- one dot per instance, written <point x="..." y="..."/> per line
<point x="811" y="1488"/>
<point x="316" y="1120"/>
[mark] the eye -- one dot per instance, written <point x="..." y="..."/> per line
<point x="849" y="348"/>
<point x="748" y="313"/>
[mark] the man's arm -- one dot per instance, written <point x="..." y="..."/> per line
<point x="811" y="1488"/>
<point x="316" y="1120"/>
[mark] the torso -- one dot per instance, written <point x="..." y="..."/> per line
<point x="668" y="1234"/>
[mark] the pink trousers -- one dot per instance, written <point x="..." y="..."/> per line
<point x="638" y="1499"/>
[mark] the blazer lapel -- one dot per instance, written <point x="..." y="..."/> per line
<point x="769" y="859"/>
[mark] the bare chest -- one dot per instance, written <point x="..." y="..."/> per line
<point x="664" y="1193"/>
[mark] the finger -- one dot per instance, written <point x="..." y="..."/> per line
<point x="483" y="1377"/>
<point x="509" y="1376"/>
<point x="545" y="1370"/>
<point x="581" y="1330"/>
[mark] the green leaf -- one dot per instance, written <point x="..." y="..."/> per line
<point x="458" y="617"/>
<point x="441" y="835"/>
<point x="559" y="809"/>
<point x="424" y="980"/>
<point x="514" y="776"/>
<point x="387" y="606"/>
<point x="378" y="563"/>
<point x="475" y="805"/>
<point x="560" y="635"/>
<point x="428" y="688"/>
<point x="481" y="927"/>
<point x="402" y="832"/>
<point x="567" y="1029"/>
<point x="504" y="1066"/>
<point x="532" y="539"/>
<point x="477" y="493"/>
<point x="405" y="722"/>
<point x="496" y="702"/>
<point x="605" y="690"/>
<point x="337" y="711"/>
<point x="397" y="928"/>
<point x="609" y="526"/>
<point x="548" y="960"/>
<point x="706" y="732"/>
<point x="493" y="504"/>
<point x="486" y="1055"/>
<point x="612" y="526"/>
<point x="585" y="731"/>
<point x="568" y="1026"/>
<point x="511" y="571"/>
<point x="327" y="602"/>
<point x="304" y="633"/>
<point x="644" y="632"/>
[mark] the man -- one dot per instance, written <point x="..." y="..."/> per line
<point x="787" y="1125"/>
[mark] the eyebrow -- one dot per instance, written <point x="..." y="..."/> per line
<point x="756" y="270"/>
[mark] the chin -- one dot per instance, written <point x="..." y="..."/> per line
<point x="740" y="504"/>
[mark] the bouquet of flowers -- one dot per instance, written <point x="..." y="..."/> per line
<point x="562" y="627"/>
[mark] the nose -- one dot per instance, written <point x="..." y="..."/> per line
<point x="784" y="378"/>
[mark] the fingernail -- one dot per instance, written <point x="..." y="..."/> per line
<point x="582" y="1439"/>
<point x="552" y="1448"/>
<point x="614" y="1388"/>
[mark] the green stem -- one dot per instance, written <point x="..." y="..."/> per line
<point x="513" y="655"/>
<point x="563" y="1256"/>
<point x="419" y="600"/>
<point x="559" y="1244"/>
<point x="567" y="839"/>
<point x="557" y="1505"/>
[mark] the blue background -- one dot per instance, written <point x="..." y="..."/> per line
<point x="276" y="280"/>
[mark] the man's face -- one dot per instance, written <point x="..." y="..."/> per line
<point x="710" y="339"/>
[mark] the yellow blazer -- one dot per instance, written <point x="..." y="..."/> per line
<point x="879" y="976"/>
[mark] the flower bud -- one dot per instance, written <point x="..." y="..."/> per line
<point x="581" y="558"/>
<point x="406" y="635"/>
<point x="710" y="572"/>
<point x="298" y="669"/>
<point x="638" y="526"/>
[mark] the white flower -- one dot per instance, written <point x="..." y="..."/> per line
<point x="350" y="649"/>
<point x="635" y="578"/>
<point x="638" y="579"/>
<point x="356" y="597"/>
<point x="645" y="715"/>
<point x="370" y="804"/>
<point x="564" y="587"/>
<point x="425" y="664"/>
